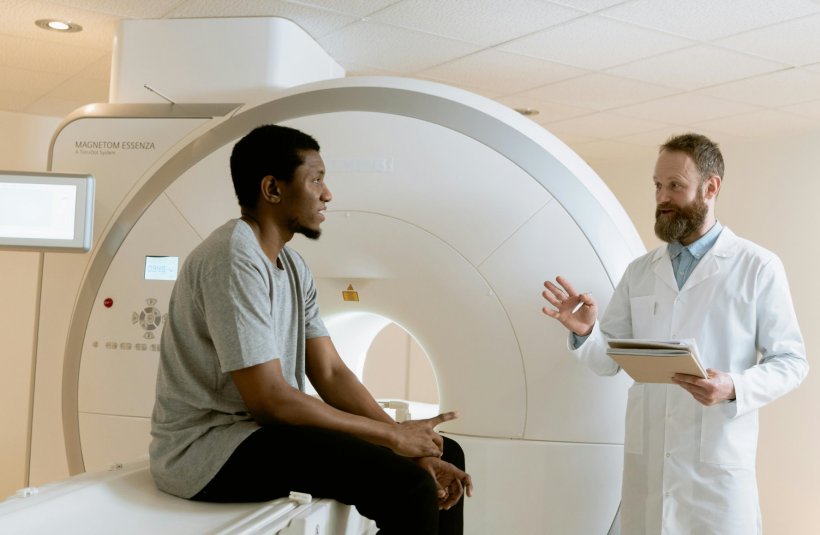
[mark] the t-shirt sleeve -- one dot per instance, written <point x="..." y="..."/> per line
<point x="238" y="312"/>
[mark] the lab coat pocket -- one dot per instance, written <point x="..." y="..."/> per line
<point x="633" y="432"/>
<point x="642" y="309"/>
<point x="728" y="441"/>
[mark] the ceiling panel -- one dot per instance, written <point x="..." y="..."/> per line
<point x="654" y="138"/>
<point x="79" y="89"/>
<point x="54" y="106"/>
<point x="606" y="125"/>
<point x="604" y="149"/>
<point x="143" y="9"/>
<point x="98" y="70"/>
<point x="357" y="8"/>
<point x="599" y="92"/>
<point x="760" y="124"/>
<point x="696" y="67"/>
<point x="547" y="111"/>
<point x="25" y="81"/>
<point x="40" y="56"/>
<point x="804" y="109"/>
<point x="710" y="19"/>
<point x="796" y="42"/>
<point x="476" y="21"/>
<point x="18" y="19"/>
<point x="506" y="73"/>
<point x="686" y="108"/>
<point x="615" y="43"/>
<point x="15" y="101"/>
<point x="776" y="89"/>
<point x="396" y="49"/>
<point x="589" y="5"/>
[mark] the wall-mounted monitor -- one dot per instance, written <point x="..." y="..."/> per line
<point x="46" y="211"/>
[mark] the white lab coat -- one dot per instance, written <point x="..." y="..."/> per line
<point x="688" y="468"/>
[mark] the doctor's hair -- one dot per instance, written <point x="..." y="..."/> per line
<point x="703" y="151"/>
<point x="267" y="150"/>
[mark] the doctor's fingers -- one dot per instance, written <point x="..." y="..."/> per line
<point x="559" y="299"/>
<point x="566" y="306"/>
<point x="566" y="285"/>
<point x="700" y="389"/>
<point x="551" y="299"/>
<point x="559" y="294"/>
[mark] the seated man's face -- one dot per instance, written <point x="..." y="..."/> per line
<point x="305" y="197"/>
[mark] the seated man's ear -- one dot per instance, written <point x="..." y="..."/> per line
<point x="270" y="189"/>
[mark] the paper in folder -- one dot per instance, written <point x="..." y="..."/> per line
<point x="656" y="361"/>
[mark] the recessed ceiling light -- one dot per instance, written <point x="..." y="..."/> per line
<point x="58" y="25"/>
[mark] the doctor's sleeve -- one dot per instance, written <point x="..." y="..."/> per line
<point x="783" y="365"/>
<point x="615" y="322"/>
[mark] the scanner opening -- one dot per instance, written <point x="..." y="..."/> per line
<point x="387" y="359"/>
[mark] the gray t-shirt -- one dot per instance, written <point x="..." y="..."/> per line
<point x="231" y="308"/>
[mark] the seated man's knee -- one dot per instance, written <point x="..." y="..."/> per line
<point x="409" y="506"/>
<point x="453" y="453"/>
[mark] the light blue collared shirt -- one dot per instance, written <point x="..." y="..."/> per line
<point x="686" y="257"/>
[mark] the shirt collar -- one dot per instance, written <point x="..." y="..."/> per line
<point x="675" y="249"/>
<point x="699" y="247"/>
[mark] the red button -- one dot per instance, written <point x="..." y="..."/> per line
<point x="108" y="303"/>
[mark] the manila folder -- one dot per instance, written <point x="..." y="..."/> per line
<point x="656" y="362"/>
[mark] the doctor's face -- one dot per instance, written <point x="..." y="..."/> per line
<point x="681" y="210"/>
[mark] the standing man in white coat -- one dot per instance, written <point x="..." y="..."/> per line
<point x="689" y="448"/>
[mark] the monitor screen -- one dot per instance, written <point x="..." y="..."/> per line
<point x="46" y="211"/>
<point x="161" y="268"/>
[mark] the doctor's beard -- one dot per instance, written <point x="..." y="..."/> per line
<point x="686" y="219"/>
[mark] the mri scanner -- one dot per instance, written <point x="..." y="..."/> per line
<point x="449" y="211"/>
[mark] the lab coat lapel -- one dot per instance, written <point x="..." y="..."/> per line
<point x="663" y="268"/>
<point x="709" y="265"/>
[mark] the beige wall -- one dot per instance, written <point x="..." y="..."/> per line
<point x="769" y="195"/>
<point x="18" y="286"/>
<point x="24" y="141"/>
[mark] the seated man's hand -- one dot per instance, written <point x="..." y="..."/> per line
<point x="418" y="438"/>
<point x="451" y="481"/>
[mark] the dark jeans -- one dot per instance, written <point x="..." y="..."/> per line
<point x="385" y="487"/>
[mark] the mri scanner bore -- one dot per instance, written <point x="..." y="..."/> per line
<point x="442" y="202"/>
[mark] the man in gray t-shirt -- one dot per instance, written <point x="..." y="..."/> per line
<point x="231" y="420"/>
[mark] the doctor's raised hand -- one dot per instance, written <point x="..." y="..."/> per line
<point x="577" y="312"/>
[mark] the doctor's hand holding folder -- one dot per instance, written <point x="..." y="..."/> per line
<point x="656" y="361"/>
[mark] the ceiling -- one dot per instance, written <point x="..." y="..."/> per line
<point x="607" y="76"/>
